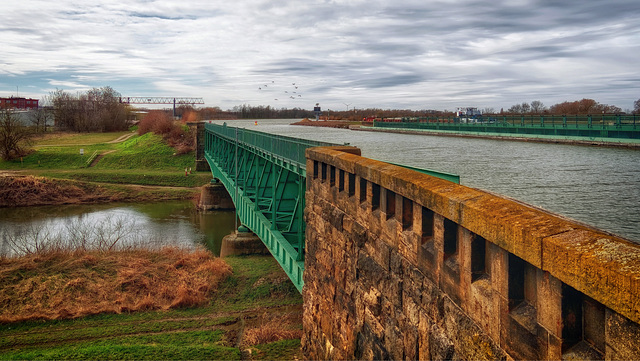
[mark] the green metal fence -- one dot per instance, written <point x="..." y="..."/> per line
<point x="290" y="150"/>
<point x="612" y="126"/>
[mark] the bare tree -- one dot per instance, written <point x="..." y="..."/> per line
<point x="99" y="109"/>
<point x="39" y="118"/>
<point x="537" y="107"/>
<point x="515" y="109"/>
<point x="636" y="107"/>
<point x="13" y="136"/>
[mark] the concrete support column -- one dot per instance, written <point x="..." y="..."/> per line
<point x="242" y="242"/>
<point x="214" y="196"/>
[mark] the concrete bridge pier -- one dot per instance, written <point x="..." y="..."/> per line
<point x="242" y="242"/>
<point x="214" y="196"/>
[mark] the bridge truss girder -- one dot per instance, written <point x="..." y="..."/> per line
<point x="268" y="193"/>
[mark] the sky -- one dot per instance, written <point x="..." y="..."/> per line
<point x="401" y="54"/>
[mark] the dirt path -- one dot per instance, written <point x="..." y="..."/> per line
<point x="122" y="138"/>
<point x="100" y="156"/>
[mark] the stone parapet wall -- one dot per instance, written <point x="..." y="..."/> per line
<point x="403" y="265"/>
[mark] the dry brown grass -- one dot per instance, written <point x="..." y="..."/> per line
<point x="19" y="191"/>
<point x="59" y="285"/>
<point x="272" y="328"/>
<point x="29" y="190"/>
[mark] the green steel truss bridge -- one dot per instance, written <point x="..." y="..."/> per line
<point x="265" y="175"/>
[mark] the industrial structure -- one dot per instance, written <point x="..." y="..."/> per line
<point x="18" y="103"/>
<point x="162" y="100"/>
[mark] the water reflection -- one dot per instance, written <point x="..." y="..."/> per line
<point x="175" y="223"/>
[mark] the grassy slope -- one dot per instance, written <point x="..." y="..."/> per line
<point x="144" y="160"/>
<point x="255" y="293"/>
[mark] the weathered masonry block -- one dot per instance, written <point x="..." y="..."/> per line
<point x="402" y="265"/>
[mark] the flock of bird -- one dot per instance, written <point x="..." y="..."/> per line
<point x="293" y="93"/>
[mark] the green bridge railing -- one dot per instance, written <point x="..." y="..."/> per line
<point x="614" y="127"/>
<point x="265" y="175"/>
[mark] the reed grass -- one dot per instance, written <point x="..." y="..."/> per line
<point x="61" y="284"/>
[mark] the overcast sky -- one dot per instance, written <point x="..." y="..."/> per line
<point x="384" y="54"/>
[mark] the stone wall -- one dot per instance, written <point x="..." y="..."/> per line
<point x="401" y="265"/>
<point x="201" y="162"/>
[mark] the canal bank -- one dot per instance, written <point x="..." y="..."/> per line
<point x="19" y="189"/>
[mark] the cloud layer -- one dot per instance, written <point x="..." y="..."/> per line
<point x="387" y="54"/>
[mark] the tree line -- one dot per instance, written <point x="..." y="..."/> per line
<point x="97" y="110"/>
<point x="584" y="106"/>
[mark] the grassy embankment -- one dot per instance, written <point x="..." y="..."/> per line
<point x="141" y="160"/>
<point x="255" y="313"/>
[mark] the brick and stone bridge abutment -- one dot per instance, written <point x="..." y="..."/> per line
<point x="402" y="265"/>
<point x="201" y="162"/>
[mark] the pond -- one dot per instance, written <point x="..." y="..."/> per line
<point x="172" y="223"/>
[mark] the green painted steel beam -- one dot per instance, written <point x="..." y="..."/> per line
<point x="269" y="173"/>
<point x="265" y="175"/>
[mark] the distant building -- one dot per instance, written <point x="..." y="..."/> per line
<point x="469" y="115"/>
<point x="18" y="103"/>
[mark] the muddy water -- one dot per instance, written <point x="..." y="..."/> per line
<point x="174" y="223"/>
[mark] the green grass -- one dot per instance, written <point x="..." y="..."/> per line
<point x="146" y="152"/>
<point x="181" y="345"/>
<point x="67" y="157"/>
<point x="207" y="332"/>
<point x="143" y="160"/>
<point x="279" y="350"/>
<point x="259" y="283"/>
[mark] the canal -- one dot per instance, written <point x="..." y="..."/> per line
<point x="598" y="186"/>
<point x="170" y="223"/>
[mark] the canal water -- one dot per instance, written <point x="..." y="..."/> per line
<point x="593" y="185"/>
<point x="170" y="223"/>
<point x="598" y="186"/>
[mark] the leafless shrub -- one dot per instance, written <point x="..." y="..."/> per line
<point x="112" y="233"/>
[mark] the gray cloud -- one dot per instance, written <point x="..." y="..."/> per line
<point x="437" y="54"/>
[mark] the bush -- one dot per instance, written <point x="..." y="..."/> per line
<point x="181" y="138"/>
<point x="156" y="121"/>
